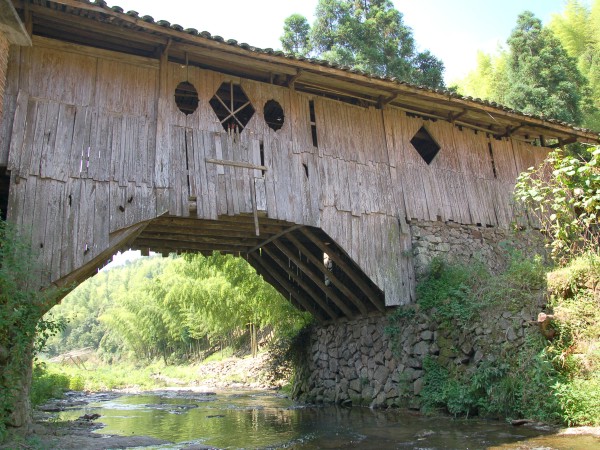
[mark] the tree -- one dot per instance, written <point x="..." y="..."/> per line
<point x="368" y="35"/>
<point x="578" y="29"/>
<point x="544" y="79"/>
<point x="172" y="308"/>
<point x="295" y="35"/>
<point x="489" y="80"/>
<point x="538" y="75"/>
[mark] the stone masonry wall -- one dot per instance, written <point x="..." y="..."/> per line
<point x="464" y="243"/>
<point x="356" y="362"/>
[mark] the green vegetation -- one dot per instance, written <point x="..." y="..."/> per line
<point x="369" y="35"/>
<point x="21" y="309"/>
<point x="566" y="204"/>
<point x="449" y="291"/>
<point x="51" y="379"/>
<point x="177" y="309"/>
<point x="552" y="381"/>
<point x="47" y="384"/>
<point x="549" y="71"/>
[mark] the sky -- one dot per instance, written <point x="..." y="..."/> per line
<point x="453" y="30"/>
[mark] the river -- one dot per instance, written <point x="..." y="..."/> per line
<point x="263" y="419"/>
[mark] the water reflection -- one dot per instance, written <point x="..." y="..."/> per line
<point x="264" y="420"/>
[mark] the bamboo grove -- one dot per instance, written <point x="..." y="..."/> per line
<point x="176" y="308"/>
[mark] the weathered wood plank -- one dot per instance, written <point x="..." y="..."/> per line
<point x="9" y="106"/>
<point x="22" y="130"/>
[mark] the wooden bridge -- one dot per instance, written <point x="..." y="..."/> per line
<point x="122" y="132"/>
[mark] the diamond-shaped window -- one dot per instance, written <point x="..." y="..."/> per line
<point x="425" y="145"/>
<point x="232" y="107"/>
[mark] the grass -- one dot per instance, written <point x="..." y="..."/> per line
<point x="52" y="379"/>
<point x="101" y="377"/>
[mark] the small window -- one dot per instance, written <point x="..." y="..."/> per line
<point x="313" y="123"/>
<point x="186" y="97"/>
<point x="491" y="151"/>
<point x="425" y="145"/>
<point x="273" y="113"/>
<point x="232" y="107"/>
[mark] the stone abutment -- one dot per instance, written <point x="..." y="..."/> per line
<point x="372" y="362"/>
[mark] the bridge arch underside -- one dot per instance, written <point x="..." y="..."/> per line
<point x="303" y="263"/>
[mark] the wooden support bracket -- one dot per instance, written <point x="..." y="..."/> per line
<point x="330" y="275"/>
<point x="293" y="78"/>
<point x="511" y="130"/>
<point x="452" y="117"/>
<point x="272" y="238"/>
<point x="382" y="101"/>
<point x="315" y="279"/>
<point x="371" y="295"/>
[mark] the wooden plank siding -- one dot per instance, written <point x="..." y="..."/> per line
<point x="96" y="144"/>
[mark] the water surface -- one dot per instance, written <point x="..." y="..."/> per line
<point x="266" y="420"/>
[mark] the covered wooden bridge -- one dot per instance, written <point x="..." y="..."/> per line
<point x="122" y="131"/>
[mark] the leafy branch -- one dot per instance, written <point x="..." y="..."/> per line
<point x="563" y="194"/>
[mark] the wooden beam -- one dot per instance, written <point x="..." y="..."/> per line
<point x="276" y="236"/>
<point x="452" y="117"/>
<point x="318" y="299"/>
<point x="339" y="302"/>
<point x="198" y="238"/>
<point x="337" y="259"/>
<point x="244" y="165"/>
<point x="254" y="207"/>
<point x="242" y="220"/>
<point x="292" y="79"/>
<point x="213" y="232"/>
<point x="383" y="101"/>
<point x="28" y="16"/>
<point x="562" y="142"/>
<point x="115" y="242"/>
<point x="510" y="130"/>
<point x="288" y="287"/>
<point x="189" y="246"/>
<point x="330" y="275"/>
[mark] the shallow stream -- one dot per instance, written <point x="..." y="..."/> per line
<point x="266" y="420"/>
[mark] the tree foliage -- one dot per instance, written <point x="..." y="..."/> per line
<point x="295" y="38"/>
<point x="369" y="35"/>
<point x="172" y="308"/>
<point x="547" y="71"/>
<point x="544" y="80"/>
<point x="578" y="29"/>
<point x="564" y="195"/>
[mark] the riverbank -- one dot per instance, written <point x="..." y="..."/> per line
<point x="219" y="372"/>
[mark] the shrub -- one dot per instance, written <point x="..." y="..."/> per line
<point x="46" y="385"/>
<point x="450" y="291"/>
